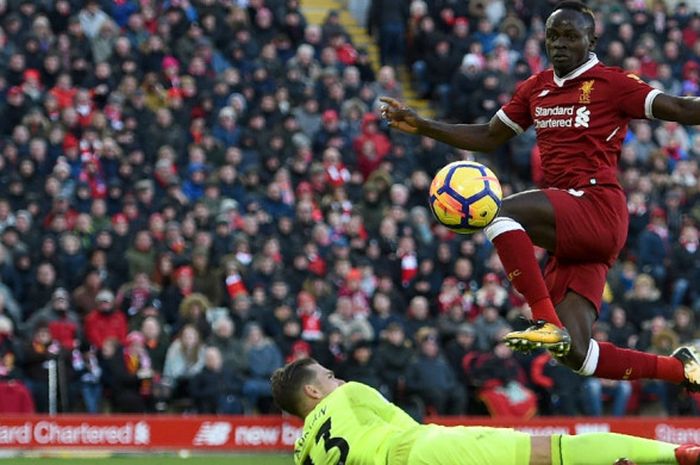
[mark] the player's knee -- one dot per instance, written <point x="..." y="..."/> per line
<point x="511" y="209"/>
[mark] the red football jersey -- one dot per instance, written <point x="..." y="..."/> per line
<point x="581" y="120"/>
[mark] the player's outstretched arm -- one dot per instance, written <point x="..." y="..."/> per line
<point x="476" y="137"/>
<point x="684" y="110"/>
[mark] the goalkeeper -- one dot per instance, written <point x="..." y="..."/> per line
<point x="352" y="424"/>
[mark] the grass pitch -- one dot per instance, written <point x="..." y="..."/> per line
<point x="232" y="459"/>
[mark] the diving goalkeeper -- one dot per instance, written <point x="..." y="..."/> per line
<point x="352" y="424"/>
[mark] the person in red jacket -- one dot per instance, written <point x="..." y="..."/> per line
<point x="346" y="53"/>
<point x="62" y="321"/>
<point x="64" y="91"/>
<point x="371" y="146"/>
<point x="105" y="322"/>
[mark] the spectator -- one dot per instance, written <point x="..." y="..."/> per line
<point x="10" y="351"/>
<point x="173" y="295"/>
<point x="62" y="321"/>
<point x="194" y="310"/>
<point x="492" y="293"/>
<point x="263" y="358"/>
<point x="230" y="347"/>
<point x="241" y="313"/>
<point x="387" y="20"/>
<point x="72" y="260"/>
<point x="155" y="342"/>
<point x="216" y="389"/>
<point x="88" y="374"/>
<point x="371" y="146"/>
<point x="393" y="357"/>
<point x="361" y="366"/>
<point x="442" y="64"/>
<point x="383" y="315"/>
<point x="125" y="376"/>
<point x="289" y="341"/>
<point x="40" y="292"/>
<point x="561" y="388"/>
<point x="310" y="317"/>
<point x="654" y="246"/>
<point x="645" y="299"/>
<point x="621" y="332"/>
<point x="184" y="360"/>
<point x="85" y="295"/>
<point x="135" y="296"/>
<point x="501" y="382"/>
<point x="207" y="279"/>
<point x="347" y="322"/>
<point x="40" y="349"/>
<point x="92" y="18"/>
<point x="684" y="325"/>
<point x="9" y="306"/>
<point x="660" y="339"/>
<point x="141" y="256"/>
<point x="464" y="84"/>
<point x="105" y="321"/>
<point x="449" y="322"/>
<point x="488" y="326"/>
<point x="431" y="378"/>
<point x="684" y="267"/>
<point x="418" y="316"/>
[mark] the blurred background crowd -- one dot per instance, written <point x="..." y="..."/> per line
<point x="193" y="192"/>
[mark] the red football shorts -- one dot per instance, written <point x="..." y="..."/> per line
<point x="591" y="229"/>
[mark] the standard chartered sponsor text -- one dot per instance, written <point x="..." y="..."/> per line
<point x="561" y="117"/>
<point x="554" y="111"/>
<point x="54" y="434"/>
<point x="553" y="123"/>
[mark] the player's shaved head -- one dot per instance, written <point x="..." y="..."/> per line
<point x="288" y="382"/>
<point x="569" y="36"/>
<point x="586" y="14"/>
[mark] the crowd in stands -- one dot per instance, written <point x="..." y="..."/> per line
<point x="194" y="192"/>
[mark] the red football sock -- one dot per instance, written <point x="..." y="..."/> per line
<point x="618" y="363"/>
<point x="517" y="253"/>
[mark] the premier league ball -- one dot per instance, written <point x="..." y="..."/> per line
<point x="465" y="196"/>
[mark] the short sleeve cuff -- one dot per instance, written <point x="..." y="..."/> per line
<point x="509" y="122"/>
<point x="649" y="101"/>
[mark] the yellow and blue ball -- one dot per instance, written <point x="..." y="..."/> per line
<point x="465" y="196"/>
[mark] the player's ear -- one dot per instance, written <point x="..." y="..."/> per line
<point x="312" y="391"/>
<point x="592" y="41"/>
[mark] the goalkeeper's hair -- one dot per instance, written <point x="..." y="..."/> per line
<point x="287" y="383"/>
<point x="580" y="7"/>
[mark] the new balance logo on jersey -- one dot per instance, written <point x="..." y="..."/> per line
<point x="583" y="116"/>
<point x="543" y="93"/>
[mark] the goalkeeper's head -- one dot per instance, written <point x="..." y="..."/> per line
<point x="300" y="385"/>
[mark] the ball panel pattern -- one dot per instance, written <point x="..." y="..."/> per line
<point x="465" y="196"/>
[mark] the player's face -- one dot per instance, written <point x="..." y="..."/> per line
<point x="567" y="40"/>
<point x="325" y="382"/>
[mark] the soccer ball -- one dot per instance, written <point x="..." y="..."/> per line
<point x="465" y="196"/>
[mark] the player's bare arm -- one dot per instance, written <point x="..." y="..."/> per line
<point x="684" y="110"/>
<point x="477" y="137"/>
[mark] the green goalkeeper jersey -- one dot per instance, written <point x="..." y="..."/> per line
<point x="354" y="425"/>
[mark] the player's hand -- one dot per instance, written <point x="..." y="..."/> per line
<point x="399" y="116"/>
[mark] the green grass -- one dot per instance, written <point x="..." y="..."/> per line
<point x="233" y="459"/>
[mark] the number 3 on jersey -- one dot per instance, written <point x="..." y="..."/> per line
<point x="324" y="432"/>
